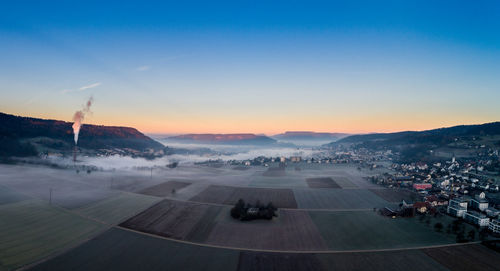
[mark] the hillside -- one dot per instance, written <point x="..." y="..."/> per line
<point x="236" y="139"/>
<point x="24" y="136"/>
<point x="412" y="144"/>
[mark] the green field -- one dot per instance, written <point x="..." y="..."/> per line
<point x="7" y="195"/>
<point x="123" y="250"/>
<point x="119" y="249"/>
<point x="369" y="230"/>
<point x="31" y="230"/>
<point x="337" y="199"/>
<point x="118" y="208"/>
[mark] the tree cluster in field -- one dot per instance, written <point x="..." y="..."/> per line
<point x="241" y="211"/>
<point x="457" y="228"/>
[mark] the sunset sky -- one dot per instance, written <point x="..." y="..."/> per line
<point x="252" y="66"/>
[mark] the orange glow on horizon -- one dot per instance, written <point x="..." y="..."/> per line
<point x="270" y="125"/>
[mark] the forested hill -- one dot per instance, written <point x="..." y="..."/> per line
<point x="411" y="142"/>
<point x="24" y="136"/>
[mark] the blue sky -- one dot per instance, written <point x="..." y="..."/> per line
<point x="253" y="66"/>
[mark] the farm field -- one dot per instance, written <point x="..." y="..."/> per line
<point x="387" y="261"/>
<point x="67" y="193"/>
<point x="469" y="257"/>
<point x="31" y="230"/>
<point x="322" y="182"/>
<point x="119" y="249"/>
<point x="123" y="250"/>
<point x="190" y="191"/>
<point x="369" y="230"/>
<point x="281" y="198"/>
<point x="115" y="209"/>
<point x="256" y="261"/>
<point x="9" y="196"/>
<point x="164" y="189"/>
<point x="288" y="181"/>
<point x="175" y="219"/>
<point x="292" y="230"/>
<point x="343" y="181"/>
<point x="337" y="199"/>
<point x="132" y="183"/>
<point x="274" y="172"/>
<point x="394" y="195"/>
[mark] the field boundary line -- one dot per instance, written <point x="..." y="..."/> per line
<point x="295" y="251"/>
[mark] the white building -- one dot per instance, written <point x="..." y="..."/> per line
<point x="457" y="207"/>
<point x="457" y="210"/>
<point x="479" y="202"/>
<point x="477" y="219"/>
<point x="494" y="226"/>
<point x="460" y="202"/>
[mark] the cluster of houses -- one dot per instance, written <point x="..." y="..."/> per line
<point x="428" y="204"/>
<point x="449" y="176"/>
<point x="267" y="161"/>
<point x="462" y="186"/>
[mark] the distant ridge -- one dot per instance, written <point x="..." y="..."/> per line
<point x="25" y="136"/>
<point x="242" y="139"/>
<point x="309" y="135"/>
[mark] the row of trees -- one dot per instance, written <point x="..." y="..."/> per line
<point x="241" y="211"/>
<point x="457" y="227"/>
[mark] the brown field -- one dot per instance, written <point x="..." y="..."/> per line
<point x="394" y="195"/>
<point x="387" y="261"/>
<point x="292" y="230"/>
<point x="164" y="189"/>
<point x="322" y="182"/>
<point x="253" y="261"/>
<point x="179" y="220"/>
<point x="337" y="199"/>
<point x="214" y="194"/>
<point x="344" y="182"/>
<point x="468" y="257"/>
<point x="274" y="172"/>
<point x="281" y="198"/>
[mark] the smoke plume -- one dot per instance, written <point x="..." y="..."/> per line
<point x="79" y="116"/>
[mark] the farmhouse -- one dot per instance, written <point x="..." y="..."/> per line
<point x="245" y="212"/>
<point x="252" y="211"/>
<point x="421" y="207"/>
<point x="477" y="218"/>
